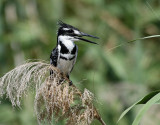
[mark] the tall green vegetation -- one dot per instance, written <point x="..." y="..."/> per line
<point x="118" y="77"/>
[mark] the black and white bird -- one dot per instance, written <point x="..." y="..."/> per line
<point x="64" y="55"/>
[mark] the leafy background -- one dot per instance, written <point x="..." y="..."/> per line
<point x="118" y="77"/>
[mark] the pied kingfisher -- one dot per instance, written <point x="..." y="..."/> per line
<point x="64" y="55"/>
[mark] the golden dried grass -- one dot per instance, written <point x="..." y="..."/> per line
<point x="54" y="99"/>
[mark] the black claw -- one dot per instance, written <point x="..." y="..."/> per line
<point x="70" y="83"/>
<point x="60" y="81"/>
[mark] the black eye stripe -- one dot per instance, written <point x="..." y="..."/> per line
<point x="70" y="31"/>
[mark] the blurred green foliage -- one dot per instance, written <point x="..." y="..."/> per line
<point x="117" y="77"/>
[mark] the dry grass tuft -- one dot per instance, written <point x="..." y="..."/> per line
<point x="16" y="82"/>
<point x="55" y="99"/>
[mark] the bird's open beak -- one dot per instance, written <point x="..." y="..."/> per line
<point x="85" y="34"/>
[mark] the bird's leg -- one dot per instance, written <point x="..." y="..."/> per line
<point x="65" y="77"/>
<point x="70" y="82"/>
<point x="51" y="74"/>
<point x="61" y="78"/>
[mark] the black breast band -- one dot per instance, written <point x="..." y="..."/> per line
<point x="62" y="57"/>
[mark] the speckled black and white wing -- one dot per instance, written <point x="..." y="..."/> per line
<point x="75" y="58"/>
<point x="54" y="57"/>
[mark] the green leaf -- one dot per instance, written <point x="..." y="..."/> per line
<point x="143" y="110"/>
<point x="144" y="100"/>
<point x="148" y="97"/>
<point x="127" y="110"/>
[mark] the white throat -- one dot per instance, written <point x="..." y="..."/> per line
<point x="67" y="41"/>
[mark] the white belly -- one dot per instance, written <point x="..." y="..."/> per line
<point x="65" y="65"/>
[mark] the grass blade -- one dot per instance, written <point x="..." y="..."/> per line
<point x="142" y="38"/>
<point x="127" y="110"/>
<point x="141" y="113"/>
<point x="144" y="100"/>
<point x="147" y="37"/>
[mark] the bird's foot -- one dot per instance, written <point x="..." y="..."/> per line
<point x="70" y="83"/>
<point x="62" y="80"/>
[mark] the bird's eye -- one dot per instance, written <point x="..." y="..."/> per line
<point x="70" y="31"/>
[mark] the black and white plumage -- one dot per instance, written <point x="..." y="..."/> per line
<point x="64" y="55"/>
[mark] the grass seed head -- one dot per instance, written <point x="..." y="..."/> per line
<point x="55" y="100"/>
